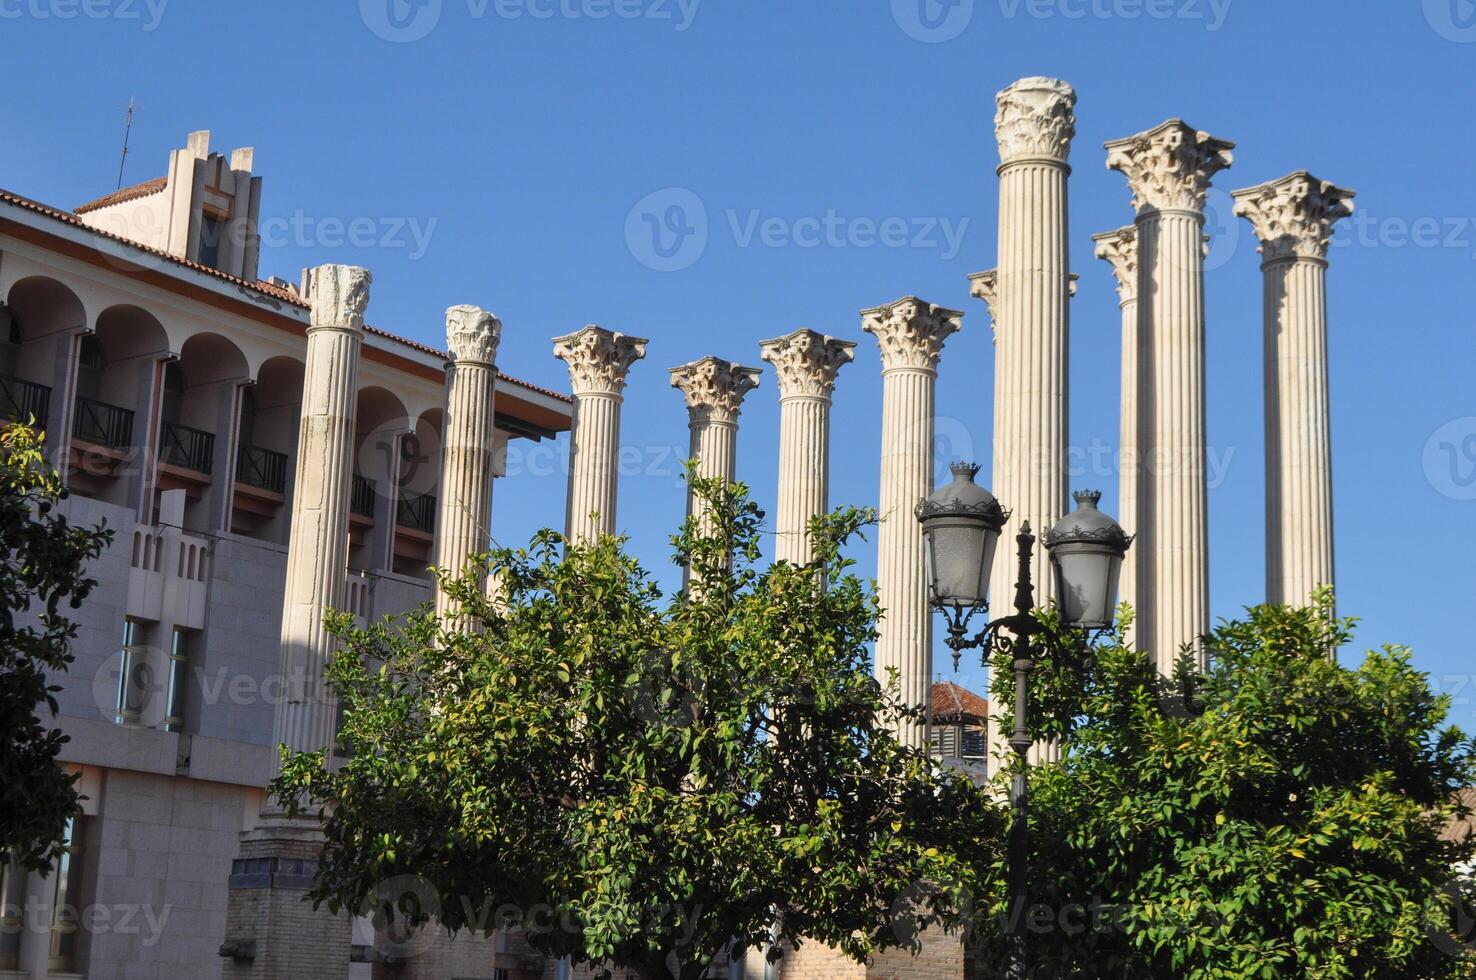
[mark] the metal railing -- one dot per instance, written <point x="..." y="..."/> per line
<point x="361" y="497"/>
<point x="181" y="445"/>
<point x="264" y="468"/>
<point x="22" y="400"/>
<point x="417" y="513"/>
<point x="103" y="424"/>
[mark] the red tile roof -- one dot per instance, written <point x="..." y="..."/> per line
<point x="125" y="194"/>
<point x="1461" y="828"/>
<point x="954" y="703"/>
<point x="261" y="286"/>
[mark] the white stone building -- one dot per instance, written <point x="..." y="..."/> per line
<point x="170" y="381"/>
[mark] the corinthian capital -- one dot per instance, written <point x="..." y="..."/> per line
<point x="714" y="388"/>
<point x="807" y="362"/>
<point x="1120" y="248"/>
<point x="911" y="332"/>
<point x="985" y="285"/>
<point x="1034" y="118"/>
<point x="598" y="359"/>
<point x="1293" y="216"/>
<point x="1169" y="167"/>
<point x="472" y="335"/>
<point x="339" y="294"/>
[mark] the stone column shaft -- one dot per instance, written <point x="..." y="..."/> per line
<point x="806" y="363"/>
<point x="599" y="361"/>
<point x="317" y="549"/>
<point x="1034" y="125"/>
<point x="714" y="391"/>
<point x="1169" y="170"/>
<point x="464" y="524"/>
<point x="1293" y="218"/>
<point x="911" y="334"/>
<point x="1120" y="248"/>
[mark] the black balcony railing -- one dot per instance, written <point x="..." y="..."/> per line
<point x="265" y="468"/>
<point x="417" y="513"/>
<point x="21" y="400"/>
<point x="103" y="424"/>
<point x="361" y="497"/>
<point x="181" y="445"/>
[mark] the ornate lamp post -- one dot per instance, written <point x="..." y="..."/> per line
<point x="961" y="528"/>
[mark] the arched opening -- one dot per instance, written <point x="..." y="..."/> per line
<point x="381" y="424"/>
<point x="37" y="321"/>
<point x="197" y="414"/>
<point x="417" y="501"/>
<point x="117" y="370"/>
<point x="266" y="459"/>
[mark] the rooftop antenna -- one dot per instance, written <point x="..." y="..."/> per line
<point x="127" y="128"/>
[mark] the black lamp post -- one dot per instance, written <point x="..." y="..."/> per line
<point x="962" y="523"/>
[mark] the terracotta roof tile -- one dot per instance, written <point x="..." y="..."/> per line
<point x="1461" y="828"/>
<point x="125" y="194"/>
<point x="954" y="703"/>
<point x="265" y="288"/>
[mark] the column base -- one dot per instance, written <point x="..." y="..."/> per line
<point x="272" y="931"/>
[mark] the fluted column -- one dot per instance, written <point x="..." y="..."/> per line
<point x="1168" y="169"/>
<point x="806" y="363"/>
<point x="911" y="334"/>
<point x="1120" y="248"/>
<point x="1293" y="218"/>
<point x="599" y="361"/>
<point x="317" y="548"/>
<point x="1034" y="123"/>
<point x="714" y="391"/>
<point x="464" y="525"/>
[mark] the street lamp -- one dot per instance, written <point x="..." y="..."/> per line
<point x="961" y="525"/>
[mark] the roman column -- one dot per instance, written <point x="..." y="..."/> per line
<point x="1034" y="123"/>
<point x="911" y="334"/>
<point x="714" y="390"/>
<point x="317" y="547"/>
<point x="1120" y="248"/>
<point x="806" y="364"/>
<point x="1168" y="169"/>
<point x="463" y="526"/>
<point x="599" y="361"/>
<point x="1293" y="218"/>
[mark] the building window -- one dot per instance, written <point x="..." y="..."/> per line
<point x="132" y="675"/>
<point x="179" y="666"/>
<point x="67" y="883"/>
<point x="211" y="231"/>
<point x="12" y="910"/>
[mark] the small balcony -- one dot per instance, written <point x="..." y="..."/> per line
<point x="186" y="448"/>
<point x="22" y="401"/>
<point x="361" y="498"/>
<point x="417" y="513"/>
<point x="106" y="426"/>
<point x="264" y="469"/>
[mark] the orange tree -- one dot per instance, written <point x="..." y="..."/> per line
<point x="643" y="782"/>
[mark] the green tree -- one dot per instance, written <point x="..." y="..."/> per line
<point x="1279" y="815"/>
<point x="42" y="562"/>
<point x="641" y="781"/>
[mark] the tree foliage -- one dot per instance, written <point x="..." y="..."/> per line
<point x="1278" y="815"/>
<point x="42" y="563"/>
<point x="639" y="780"/>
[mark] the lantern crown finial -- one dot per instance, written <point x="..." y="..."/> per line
<point x="1087" y="498"/>
<point x="961" y="469"/>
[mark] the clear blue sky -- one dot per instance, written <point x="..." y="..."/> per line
<point x="520" y="135"/>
